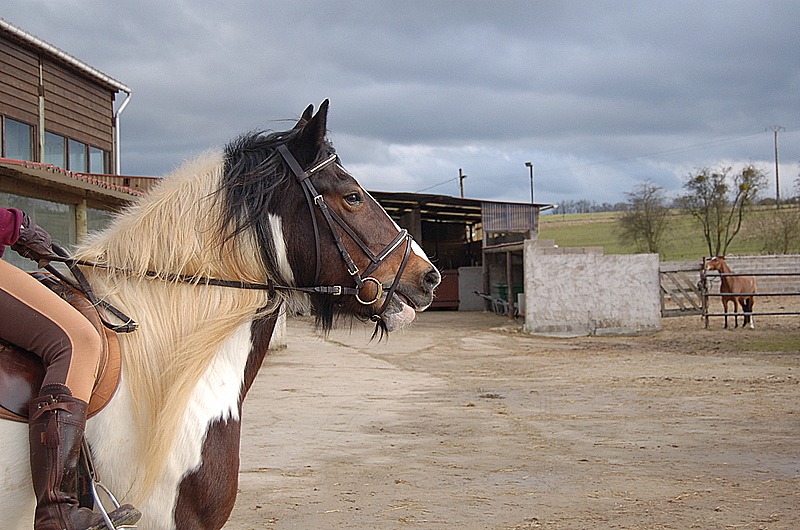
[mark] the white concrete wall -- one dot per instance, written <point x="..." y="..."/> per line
<point x="574" y="291"/>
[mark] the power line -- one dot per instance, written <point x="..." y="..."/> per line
<point x="656" y="154"/>
<point x="436" y="185"/>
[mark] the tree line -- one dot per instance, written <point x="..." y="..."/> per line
<point x="719" y="200"/>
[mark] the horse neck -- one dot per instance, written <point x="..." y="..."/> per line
<point x="727" y="281"/>
<point x="182" y="326"/>
<point x="177" y="230"/>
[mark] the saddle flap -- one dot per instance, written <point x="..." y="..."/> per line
<point x="22" y="372"/>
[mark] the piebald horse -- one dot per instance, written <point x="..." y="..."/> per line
<point x="272" y="211"/>
<point x="739" y="287"/>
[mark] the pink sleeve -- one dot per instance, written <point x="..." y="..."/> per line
<point x="10" y="221"/>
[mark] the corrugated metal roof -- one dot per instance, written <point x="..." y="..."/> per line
<point x="443" y="208"/>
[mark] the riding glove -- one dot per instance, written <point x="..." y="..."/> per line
<point x="33" y="242"/>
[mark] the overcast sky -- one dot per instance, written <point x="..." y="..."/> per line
<point x="599" y="96"/>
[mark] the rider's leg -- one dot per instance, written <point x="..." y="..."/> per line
<point x="36" y="319"/>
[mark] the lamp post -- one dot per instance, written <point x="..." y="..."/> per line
<point x="530" y="165"/>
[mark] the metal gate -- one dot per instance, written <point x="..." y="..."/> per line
<point x="681" y="293"/>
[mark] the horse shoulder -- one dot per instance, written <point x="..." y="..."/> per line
<point x="206" y="495"/>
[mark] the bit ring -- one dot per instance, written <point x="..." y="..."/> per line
<point x="378" y="295"/>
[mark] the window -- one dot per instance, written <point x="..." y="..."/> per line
<point x="18" y="140"/>
<point x="78" y="157"/>
<point x="55" y="150"/>
<point x="97" y="160"/>
<point x="97" y="219"/>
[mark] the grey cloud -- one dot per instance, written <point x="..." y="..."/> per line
<point x="600" y="94"/>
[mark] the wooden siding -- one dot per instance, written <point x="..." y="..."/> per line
<point x="77" y="108"/>
<point x="19" y="83"/>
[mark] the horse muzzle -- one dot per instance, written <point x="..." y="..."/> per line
<point x="407" y="300"/>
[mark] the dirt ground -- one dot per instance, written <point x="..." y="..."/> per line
<point x="462" y="421"/>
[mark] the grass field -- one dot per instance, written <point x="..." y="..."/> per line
<point x="683" y="239"/>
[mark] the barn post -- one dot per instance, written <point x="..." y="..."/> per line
<point x="510" y="290"/>
<point x="81" y="221"/>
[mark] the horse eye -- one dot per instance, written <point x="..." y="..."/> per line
<point x="353" y="198"/>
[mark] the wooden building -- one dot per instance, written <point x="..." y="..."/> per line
<point x="59" y="137"/>
<point x="477" y="244"/>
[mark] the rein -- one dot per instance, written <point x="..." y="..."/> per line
<point x="313" y="198"/>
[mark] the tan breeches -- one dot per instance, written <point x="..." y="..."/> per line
<point x="36" y="319"/>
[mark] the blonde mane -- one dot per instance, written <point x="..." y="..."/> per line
<point x="176" y="229"/>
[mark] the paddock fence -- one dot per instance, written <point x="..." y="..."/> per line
<point x="680" y="291"/>
<point x="686" y="288"/>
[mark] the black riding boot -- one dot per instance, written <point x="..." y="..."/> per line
<point x="56" y="421"/>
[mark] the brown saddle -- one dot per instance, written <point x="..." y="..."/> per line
<point x="22" y="372"/>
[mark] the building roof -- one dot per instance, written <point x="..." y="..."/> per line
<point x="35" y="42"/>
<point x="437" y="208"/>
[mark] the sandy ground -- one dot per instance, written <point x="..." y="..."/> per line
<point x="462" y="421"/>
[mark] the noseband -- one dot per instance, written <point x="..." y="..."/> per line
<point x="361" y="278"/>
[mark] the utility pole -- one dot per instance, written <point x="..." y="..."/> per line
<point x="775" y="129"/>
<point x="461" y="177"/>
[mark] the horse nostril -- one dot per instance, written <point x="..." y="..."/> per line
<point x="431" y="279"/>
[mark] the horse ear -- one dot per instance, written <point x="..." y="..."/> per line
<point x="313" y="133"/>
<point x="305" y="117"/>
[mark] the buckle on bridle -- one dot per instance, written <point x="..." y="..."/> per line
<point x="378" y="295"/>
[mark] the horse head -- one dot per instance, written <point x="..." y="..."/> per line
<point x="318" y="227"/>
<point x="716" y="263"/>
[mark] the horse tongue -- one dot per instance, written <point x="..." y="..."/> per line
<point x="399" y="315"/>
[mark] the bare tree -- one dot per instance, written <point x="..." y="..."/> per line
<point x="720" y="202"/>
<point x="645" y="218"/>
<point x="777" y="231"/>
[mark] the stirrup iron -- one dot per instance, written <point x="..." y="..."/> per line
<point x="95" y="485"/>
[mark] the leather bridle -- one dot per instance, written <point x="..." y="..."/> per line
<point x="361" y="278"/>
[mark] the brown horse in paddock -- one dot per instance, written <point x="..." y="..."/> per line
<point x="741" y="288"/>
